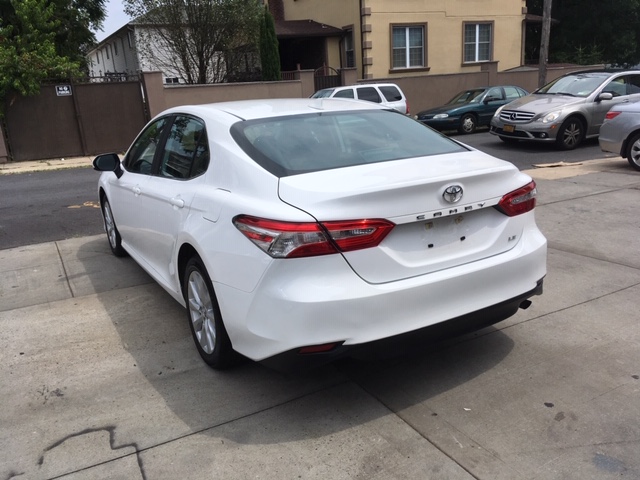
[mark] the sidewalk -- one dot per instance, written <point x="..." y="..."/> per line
<point x="44" y="165"/>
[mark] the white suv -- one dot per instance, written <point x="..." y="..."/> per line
<point x="384" y="93"/>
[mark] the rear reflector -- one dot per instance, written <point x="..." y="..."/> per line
<point x="519" y="201"/>
<point x="307" y="239"/>
<point x="319" y="348"/>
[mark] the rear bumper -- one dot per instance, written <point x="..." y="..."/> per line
<point x="610" y="146"/>
<point x="316" y="301"/>
<point x="405" y="343"/>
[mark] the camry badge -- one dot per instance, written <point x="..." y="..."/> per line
<point x="452" y="194"/>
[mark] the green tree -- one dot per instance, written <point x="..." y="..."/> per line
<point x="590" y="31"/>
<point x="77" y="19"/>
<point x="203" y="41"/>
<point x="27" y="48"/>
<point x="269" y="54"/>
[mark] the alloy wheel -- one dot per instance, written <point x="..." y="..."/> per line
<point x="201" y="312"/>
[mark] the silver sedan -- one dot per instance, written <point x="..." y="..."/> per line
<point x="620" y="132"/>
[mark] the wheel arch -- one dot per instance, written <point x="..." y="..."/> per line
<point x="625" y="144"/>
<point x="186" y="252"/>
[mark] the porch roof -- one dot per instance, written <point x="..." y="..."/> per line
<point x="305" y="28"/>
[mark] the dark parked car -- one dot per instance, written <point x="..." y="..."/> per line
<point x="470" y="109"/>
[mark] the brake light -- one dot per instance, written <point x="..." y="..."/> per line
<point x="307" y="239"/>
<point x="519" y="201"/>
<point x="611" y="115"/>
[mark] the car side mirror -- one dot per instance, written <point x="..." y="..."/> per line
<point x="605" y="96"/>
<point x="108" y="162"/>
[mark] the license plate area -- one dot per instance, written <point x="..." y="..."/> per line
<point x="509" y="128"/>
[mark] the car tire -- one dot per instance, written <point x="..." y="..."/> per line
<point x="570" y="134"/>
<point x="468" y="124"/>
<point x="113" y="235"/>
<point x="633" y="151"/>
<point x="205" y="320"/>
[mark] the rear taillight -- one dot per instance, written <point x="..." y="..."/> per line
<point x="611" y="115"/>
<point x="519" y="201"/>
<point x="305" y="239"/>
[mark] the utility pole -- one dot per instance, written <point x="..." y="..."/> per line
<point x="544" y="43"/>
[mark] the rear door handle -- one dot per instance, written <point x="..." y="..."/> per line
<point x="177" y="202"/>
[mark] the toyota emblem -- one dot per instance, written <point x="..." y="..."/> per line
<point x="452" y="194"/>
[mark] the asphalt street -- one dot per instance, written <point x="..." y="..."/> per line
<point x="99" y="377"/>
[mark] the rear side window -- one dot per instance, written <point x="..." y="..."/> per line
<point x="369" y="94"/>
<point x="348" y="93"/>
<point x="391" y="93"/>
<point x="512" y="93"/>
<point x="326" y="140"/>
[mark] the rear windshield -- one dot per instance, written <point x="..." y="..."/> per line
<point x="325" y="140"/>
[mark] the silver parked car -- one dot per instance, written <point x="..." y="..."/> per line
<point x="567" y="110"/>
<point x="620" y="132"/>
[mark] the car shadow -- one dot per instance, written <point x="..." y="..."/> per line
<point x="153" y="330"/>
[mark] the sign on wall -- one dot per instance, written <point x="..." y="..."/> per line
<point x="63" y="90"/>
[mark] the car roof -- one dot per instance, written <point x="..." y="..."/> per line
<point x="343" y="87"/>
<point x="268" y="108"/>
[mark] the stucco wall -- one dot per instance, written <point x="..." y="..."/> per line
<point x="422" y="92"/>
<point x="444" y="36"/>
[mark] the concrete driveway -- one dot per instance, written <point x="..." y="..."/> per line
<point x="99" y="377"/>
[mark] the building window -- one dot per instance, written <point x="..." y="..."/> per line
<point x="98" y="57"/>
<point x="129" y="39"/>
<point x="107" y="50"/>
<point x="349" y="53"/>
<point x="115" y="47"/>
<point x="171" y="80"/>
<point x="477" y="42"/>
<point x="408" y="46"/>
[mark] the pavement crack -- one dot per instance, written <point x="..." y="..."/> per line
<point x="64" y="269"/>
<point x="112" y="444"/>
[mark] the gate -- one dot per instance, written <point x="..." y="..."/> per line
<point x="75" y="119"/>
<point x="326" y="77"/>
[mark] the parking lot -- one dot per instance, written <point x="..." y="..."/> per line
<point x="100" y="378"/>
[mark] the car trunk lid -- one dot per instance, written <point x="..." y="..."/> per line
<point x="431" y="232"/>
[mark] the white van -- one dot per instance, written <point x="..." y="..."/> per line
<point x="384" y="93"/>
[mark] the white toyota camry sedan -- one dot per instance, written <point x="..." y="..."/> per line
<point x="302" y="230"/>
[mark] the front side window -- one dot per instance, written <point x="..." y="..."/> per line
<point x="408" y="46"/>
<point x="142" y="152"/>
<point x="186" y="152"/>
<point x="477" y="42"/>
<point x="494" y="94"/>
